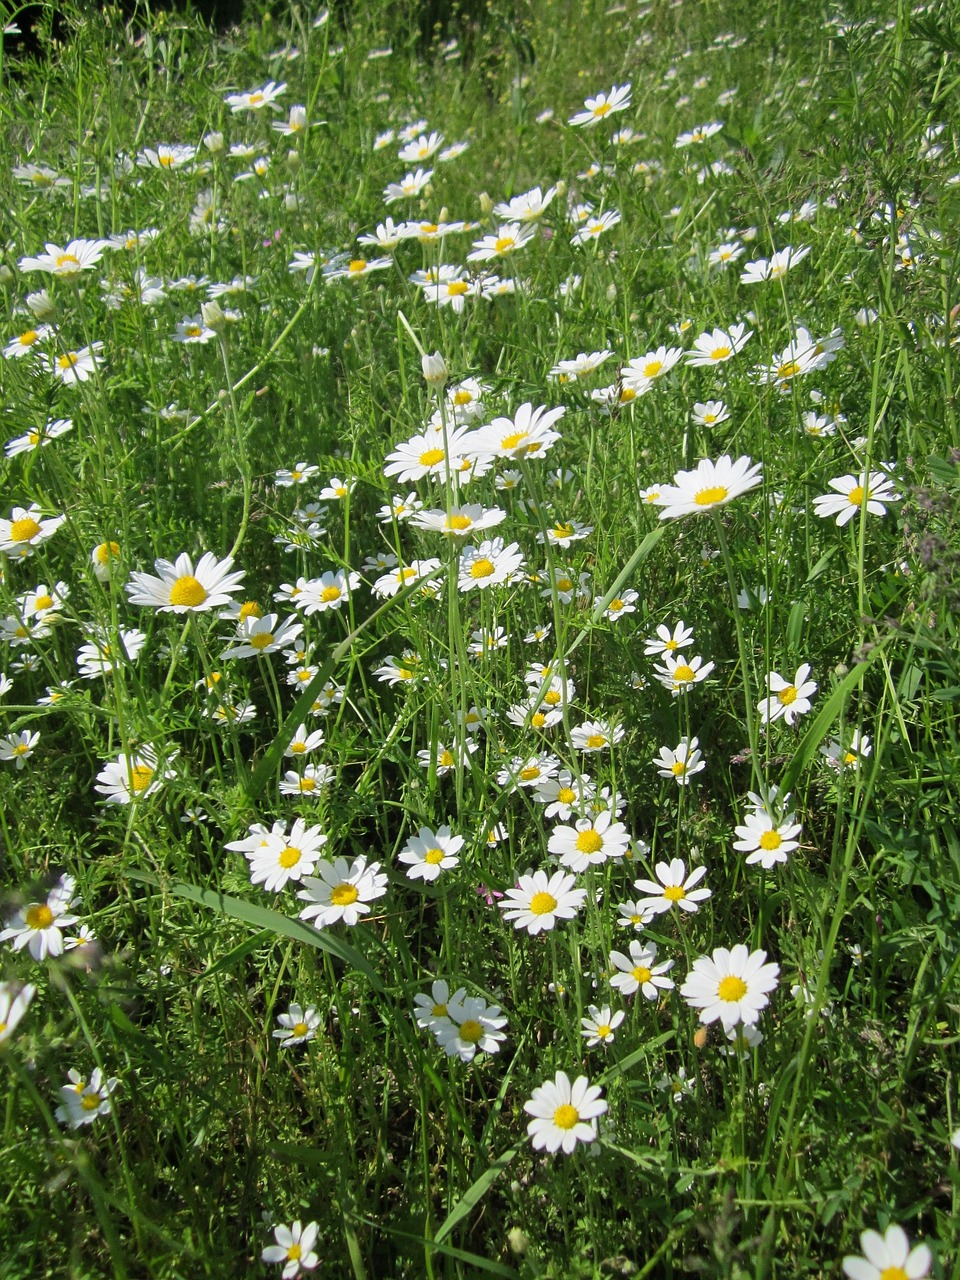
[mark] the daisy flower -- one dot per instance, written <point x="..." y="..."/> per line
<point x="38" y="437"/>
<point x="294" y="1248"/>
<point x="564" y="1113"/>
<point x="183" y="588"/>
<point x="132" y="777"/>
<point x="849" y="757"/>
<point x="667" y="641"/>
<point x="538" y="901"/>
<point x="37" y="926"/>
<point x="603" y="105"/>
<point x="428" y="853"/>
<point x="526" y="207"/>
<point x="787" y="700"/>
<point x="571" y="370"/>
<point x="432" y="1011"/>
<point x="256" y="637"/>
<point x="595" y="226"/>
<point x="22" y="344"/>
<point x="102" y="557"/>
<point x="460" y="521"/>
<point x="14" y="1000"/>
<point x="255" y="99"/>
<point x="421" y="148"/>
<point x="18" y="747"/>
<point x="489" y="565"/>
<point x="731" y="985"/>
<point x="776" y="267"/>
<point x="852" y="492"/>
<point x="672" y="888"/>
<point x="281" y="858"/>
<point x="718" y="346"/>
<point x="589" y="843"/>
<point x="595" y="735"/>
<point x="633" y="915"/>
<point x="680" y="674"/>
<point x="471" y="1025"/>
<point x="434" y="453"/>
<point x="700" y="133"/>
<point x="888" y="1257"/>
<point x="505" y="240"/>
<point x="84" y="1100"/>
<point x="297" y="1026"/>
<point x="743" y="1040"/>
<point x="682" y="762"/>
<point x="68" y="262"/>
<point x="72" y="367"/>
<point x="409" y="187"/>
<point x="655" y="364"/>
<point x="710" y="412"/>
<point x="528" y="771"/>
<point x="330" y="591"/>
<point x="528" y="434"/>
<point x="25" y="530"/>
<point x="308" y="784"/>
<point x="599" y="1025"/>
<point x="565" y="794"/>
<point x="341" y="891"/>
<point x="712" y="484"/>
<point x="640" y="972"/>
<point x="299" y="474"/>
<point x="766" y="840"/>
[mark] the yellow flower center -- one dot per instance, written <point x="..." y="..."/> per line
<point x="855" y="496"/>
<point x="193" y="330"/>
<point x="106" y="550"/>
<point x="683" y="674"/>
<point x="33" y="437"/>
<point x="893" y="1273"/>
<point x="21" y="749"/>
<point x="446" y="760"/>
<point x="602" y="109"/>
<point x="542" y="903"/>
<point x="711" y="495"/>
<point x="299" y="1029"/>
<point x="289" y="857"/>
<point x="678" y="768"/>
<point x="482" y="568"/>
<point x="39" y="916"/>
<point x="566" y="1116"/>
<point x="538" y="720"/>
<point x="674" y="893"/>
<point x="552" y="698"/>
<point x="720" y="353"/>
<point x="771" y="840"/>
<point x="344" y="895"/>
<point x="165" y="159"/>
<point x="641" y="973"/>
<point x="29" y="338"/>
<point x="462" y="397"/>
<point x="434" y="857"/>
<point x="90" y="1101"/>
<point x="788" y="695"/>
<point x="788" y="369"/>
<point x="357" y="265"/>
<point x="459" y="522"/>
<point x="604" y="1030"/>
<point x="564" y="584"/>
<point x="262" y="640"/>
<point x="430" y="457"/>
<point x="589" y="841"/>
<point x="64" y="259"/>
<point x="615" y="605"/>
<point x="471" y="1031"/>
<point x="514" y="440"/>
<point x="308" y="784"/>
<point x="141" y="776"/>
<point x="566" y="795"/>
<point x="43" y="602"/>
<point x="457" y="288"/>
<point x="68" y="361"/>
<point x="652" y="368"/>
<point x="504" y="243"/>
<point x="731" y="988"/>
<point x="24" y="530"/>
<point x="255" y="100"/>
<point x="294" y="1253"/>
<point x="596" y="740"/>
<point x="250" y="609"/>
<point x="439" y="1010"/>
<point x="188" y="591"/>
<point x="529" y="773"/>
<point x="562" y="530"/>
<point x="329" y="594"/>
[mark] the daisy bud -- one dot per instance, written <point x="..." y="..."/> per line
<point x="214" y="143"/>
<point x="212" y="315"/>
<point x="486" y="204"/>
<point x="561" y="188"/>
<point x="6" y="275"/>
<point x="434" y="369"/>
<point x="294" y="160"/>
<point x="42" y="306"/>
<point x="291" y="202"/>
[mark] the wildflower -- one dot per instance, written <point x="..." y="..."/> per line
<point x="132" y="777"/>
<point x="460" y="521"/>
<point x="675" y="888"/>
<point x="294" y="1248"/>
<point x="432" y="1011"/>
<point x="428" y="853"/>
<point x="776" y="267"/>
<point x="409" y="187"/>
<point x="682" y="762"/>
<point x="700" y="133"/>
<point x="18" y="747"/>
<point x="640" y="972"/>
<point x="181" y="588"/>
<point x="766" y="840"/>
<point x="595" y="735"/>
<point x="641" y="372"/>
<point x="528" y="771"/>
<point x="718" y="346"/>
<point x="297" y="1026"/>
<point x="341" y="892"/>
<point x="14" y="1001"/>
<point x="25" y="530"/>
<point x="84" y="1100"/>
<point x="564" y="1113"/>
<point x="69" y="262"/>
<point x="787" y="700"/>
<point x="681" y="674"/>
<point x="888" y="1257"/>
<point x="165" y="156"/>
<point x="302" y="741"/>
<point x="731" y="985"/>
<point x="489" y="564"/>
<point x="850" y="757"/>
<point x="38" y="437"/>
<point x="471" y="1025"/>
<point x="594" y="227"/>
<point x="300" y="474"/>
<point x="564" y="794"/>
<point x="725" y="254"/>
<point x="743" y="1039"/>
<point x="22" y="344"/>
<point x="589" y="843"/>
<point x="295" y="123"/>
<point x="537" y="901"/>
<point x="666" y="641"/>
<point x="621" y="605"/>
<point x="280" y="858"/>
<point x="571" y="370"/>
<point x="633" y="915"/>
<point x="599" y="1025"/>
<point x="307" y="784"/>
<point x="100" y="658"/>
<point x="37" y="926"/>
<point x="677" y="1085"/>
<point x="855" y="492"/>
<point x="434" y="453"/>
<point x="255" y="99"/>
<point x="604" y="104"/>
<point x="712" y="484"/>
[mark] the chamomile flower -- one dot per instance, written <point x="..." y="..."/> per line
<point x="700" y="133"/>
<point x="621" y="605"/>
<point x="18" y="747"/>
<point x="731" y="985"/>
<point x="888" y="1257"/>
<point x="564" y="1113"/>
<point x="471" y="1026"/>
<point x="434" y="453"/>
<point x="711" y="485"/>
<point x="787" y="700"/>
<point x="330" y="591"/>
<point x="26" y="343"/>
<point x="428" y="853"/>
<point x="633" y="915"/>
<point x="85" y="1100"/>
<point x="595" y="226"/>
<point x="565" y="532"/>
<point x="851" y="756"/>
<point x="489" y="565"/>
<point x="280" y="858"/>
<point x="256" y="637"/>
<point x="565" y="794"/>
<point x="599" y="1025"/>
<point x="776" y="267"/>
<point x="528" y="771"/>
<point x="342" y="891"/>
<point x="37" y="926"/>
<point x="459" y="521"/>
<point x="667" y="642"/>
<point x="853" y="494"/>
<point x="308" y="784"/>
<point x="294" y="1248"/>
<point x="38" y="437"/>
<point x="132" y="777"/>
<point x="710" y="413"/>
<point x="538" y="901"/>
<point x="595" y="735"/>
<point x="639" y="971"/>
<point x="25" y="530"/>
<point x="408" y="188"/>
<point x="299" y="474"/>
<point x="590" y="843"/>
<point x="528" y="434"/>
<point x="505" y="240"/>
<point x="681" y="674"/>
<point x="682" y="762"/>
<point x="422" y="148"/>
<point x="256" y="99"/>
<point x="297" y="1026"/>
<point x="719" y="346"/>
<point x="68" y="262"/>
<point x="672" y="888"/>
<point x="304" y="741"/>
<point x="603" y="105"/>
<point x="432" y="1011"/>
<point x="183" y="588"/>
<point x="766" y="840"/>
<point x="645" y="369"/>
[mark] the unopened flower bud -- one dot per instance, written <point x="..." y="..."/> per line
<point x="211" y="313"/>
<point x="486" y="204"/>
<point x="214" y="142"/>
<point x="434" y="369"/>
<point x="294" y="159"/>
<point x="42" y="306"/>
<point x="6" y="275"/>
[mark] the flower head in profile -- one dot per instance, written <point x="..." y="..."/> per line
<point x="710" y="485"/>
<point x="888" y="1257"/>
<point x="255" y="99"/>
<point x="183" y="588"/>
<point x="25" y="530"/>
<point x="564" y="1113"/>
<point x="731" y="985"/>
<point x="603" y="105"/>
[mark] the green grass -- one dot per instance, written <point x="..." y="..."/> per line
<point x="413" y="1163"/>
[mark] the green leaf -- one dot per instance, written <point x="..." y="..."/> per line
<point x="474" y="1194"/>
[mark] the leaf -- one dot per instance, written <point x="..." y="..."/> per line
<point x="265" y="918"/>
<point x="474" y="1194"/>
